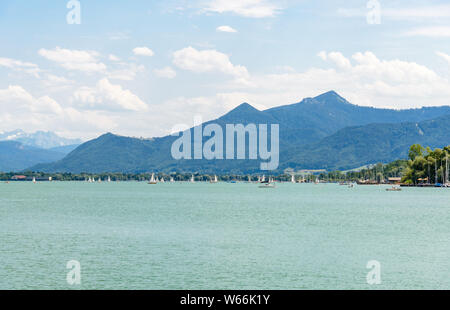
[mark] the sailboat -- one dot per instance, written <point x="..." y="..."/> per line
<point x="293" y="179"/>
<point x="172" y="180"/>
<point x="109" y="179"/>
<point x="192" y="179"/>
<point x="152" y="180"/>
<point x="263" y="179"/>
<point x="162" y="180"/>
<point x="215" y="180"/>
<point x="34" y="180"/>
<point x="267" y="184"/>
<point x="249" y="179"/>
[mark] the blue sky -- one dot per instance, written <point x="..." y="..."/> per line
<point x="140" y="67"/>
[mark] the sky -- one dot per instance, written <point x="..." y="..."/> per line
<point x="140" y="68"/>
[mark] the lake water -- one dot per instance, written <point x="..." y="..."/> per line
<point x="222" y="236"/>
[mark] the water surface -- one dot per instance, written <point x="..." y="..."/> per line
<point x="222" y="236"/>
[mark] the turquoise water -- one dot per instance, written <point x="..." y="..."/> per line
<point x="222" y="236"/>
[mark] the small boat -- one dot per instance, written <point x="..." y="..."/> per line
<point x="34" y="180"/>
<point x="267" y="185"/>
<point x="152" y="180"/>
<point x="172" y="180"/>
<point x="192" y="180"/>
<point x="394" y="189"/>
<point x="162" y="180"/>
<point x="109" y="179"/>
<point x="215" y="180"/>
<point x="293" y="179"/>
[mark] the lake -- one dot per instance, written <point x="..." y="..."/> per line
<point x="131" y="235"/>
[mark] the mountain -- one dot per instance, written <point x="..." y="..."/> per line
<point x="361" y="145"/>
<point x="326" y="123"/>
<point x="66" y="149"/>
<point x="40" y="139"/>
<point x="15" y="156"/>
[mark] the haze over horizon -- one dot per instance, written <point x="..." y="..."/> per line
<point x="161" y="63"/>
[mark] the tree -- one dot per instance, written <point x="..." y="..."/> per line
<point x="415" y="151"/>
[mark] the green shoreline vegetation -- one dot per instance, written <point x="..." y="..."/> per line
<point x="424" y="166"/>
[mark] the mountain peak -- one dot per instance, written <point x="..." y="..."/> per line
<point x="330" y="96"/>
<point x="40" y="139"/>
<point x="244" y="107"/>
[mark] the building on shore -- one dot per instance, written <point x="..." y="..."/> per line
<point x="395" y="180"/>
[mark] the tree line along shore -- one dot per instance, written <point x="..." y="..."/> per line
<point x="424" y="166"/>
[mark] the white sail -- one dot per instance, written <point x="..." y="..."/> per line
<point x="152" y="179"/>
<point x="215" y="179"/>
<point x="172" y="180"/>
<point x="34" y="180"/>
<point x="109" y="179"/>
<point x="162" y="180"/>
<point x="192" y="179"/>
<point x="263" y="178"/>
<point x="293" y="179"/>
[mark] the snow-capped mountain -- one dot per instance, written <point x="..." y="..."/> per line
<point x="40" y="139"/>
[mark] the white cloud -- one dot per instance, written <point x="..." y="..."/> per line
<point x="56" y="83"/>
<point x="207" y="61"/>
<point x="112" y="57"/>
<point x="126" y="72"/>
<point x="363" y="79"/>
<point x="108" y="96"/>
<point x="337" y="58"/>
<point x="22" y="110"/>
<point x="166" y="72"/>
<point x="226" y="29"/>
<point x="143" y="51"/>
<point x="439" y="31"/>
<point x="76" y="60"/>
<point x="246" y="8"/>
<point x="444" y="56"/>
<point x="21" y="66"/>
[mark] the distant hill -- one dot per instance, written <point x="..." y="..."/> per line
<point x="14" y="156"/>
<point x="40" y="139"/>
<point x="357" y="146"/>
<point x="66" y="149"/>
<point x="327" y="123"/>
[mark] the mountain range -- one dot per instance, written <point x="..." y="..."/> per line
<point x="20" y="150"/>
<point x="39" y="139"/>
<point x="322" y="132"/>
